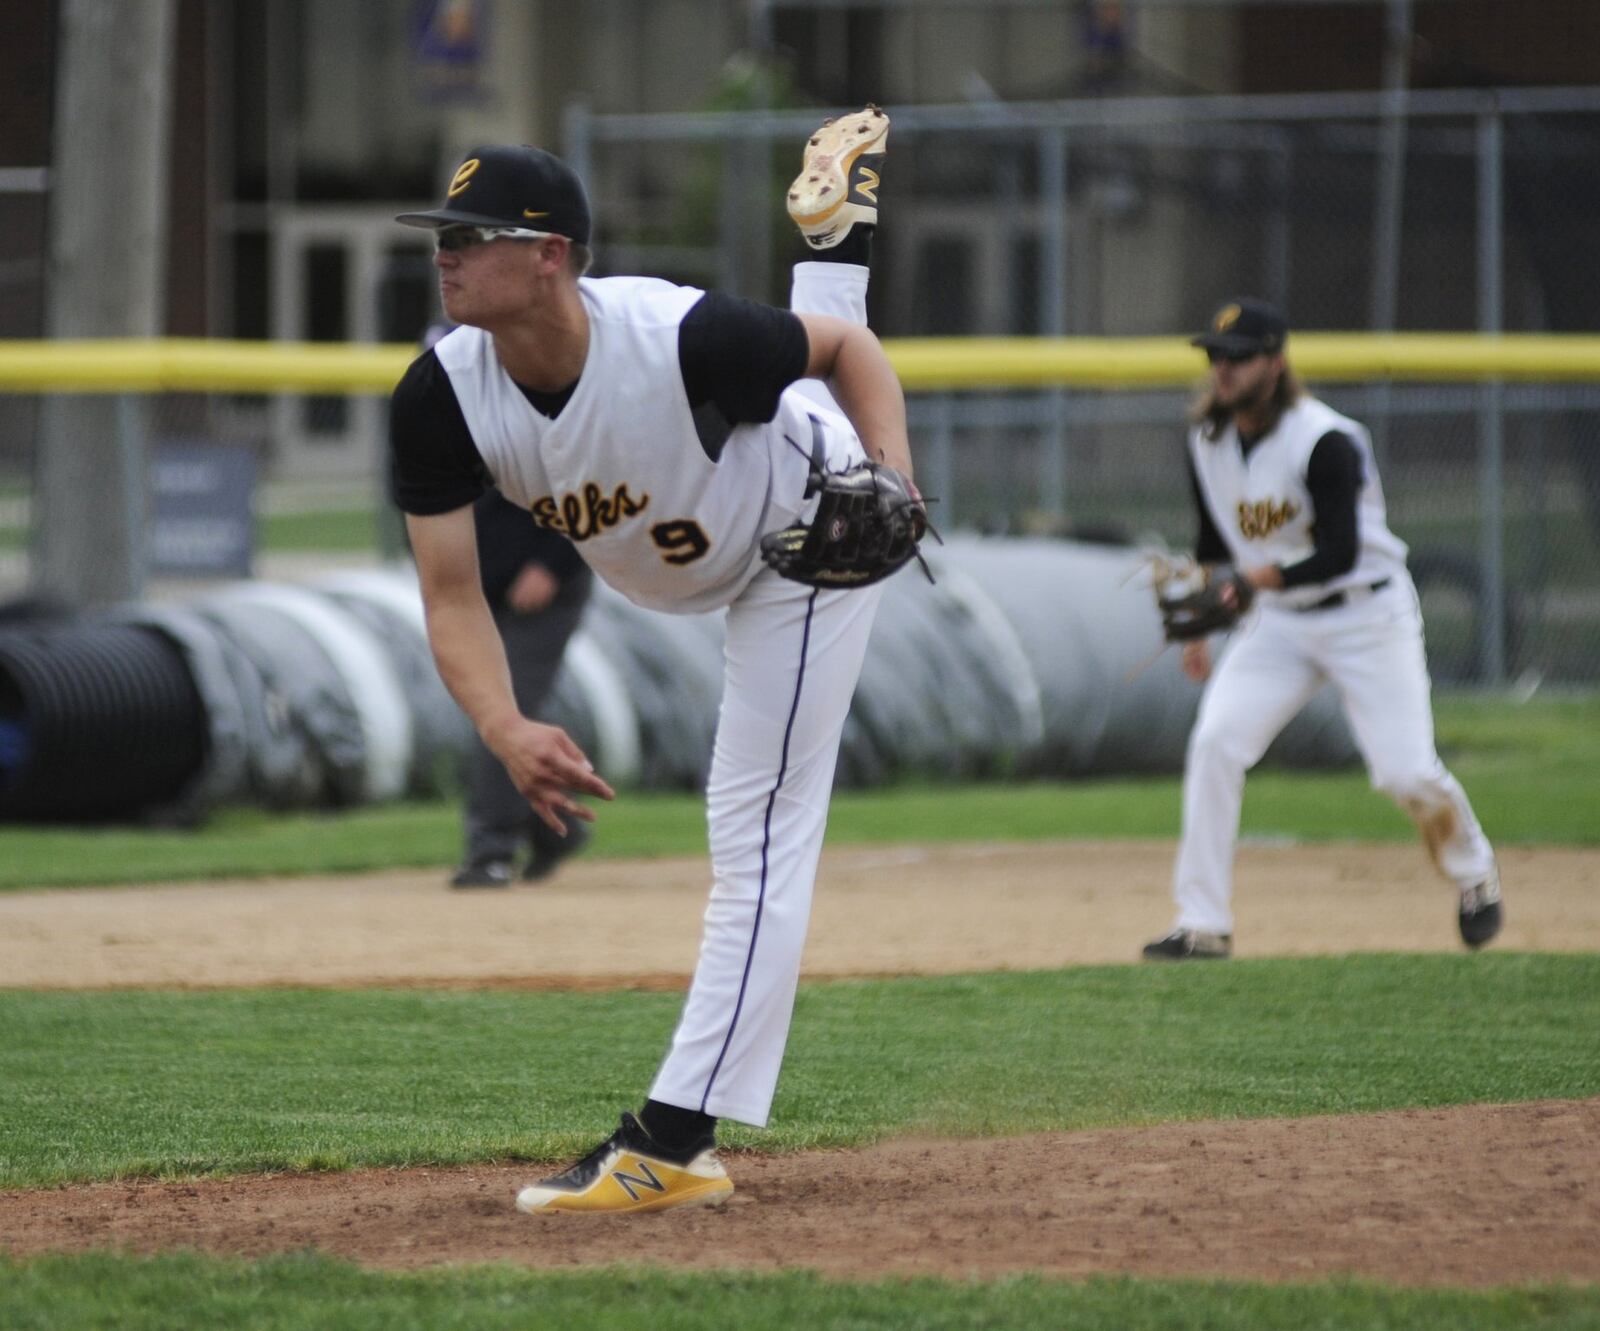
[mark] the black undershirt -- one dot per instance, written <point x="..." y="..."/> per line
<point x="1333" y="478"/>
<point x="736" y="357"/>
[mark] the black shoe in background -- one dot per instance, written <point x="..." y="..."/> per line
<point x="549" y="850"/>
<point x="1190" y="945"/>
<point x="483" y="873"/>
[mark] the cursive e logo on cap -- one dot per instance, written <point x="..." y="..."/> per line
<point x="1227" y="316"/>
<point x="464" y="174"/>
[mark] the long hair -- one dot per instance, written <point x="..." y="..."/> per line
<point x="1213" y="418"/>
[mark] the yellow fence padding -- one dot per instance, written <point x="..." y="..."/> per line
<point x="162" y="365"/>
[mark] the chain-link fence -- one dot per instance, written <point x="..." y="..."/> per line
<point x="1503" y="523"/>
<point x="1464" y="211"/>
<point x="1434" y="210"/>
<point x="1422" y="211"/>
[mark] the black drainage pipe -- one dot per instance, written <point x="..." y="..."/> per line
<point x="97" y="722"/>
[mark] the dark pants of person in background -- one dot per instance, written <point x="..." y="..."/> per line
<point x="498" y="821"/>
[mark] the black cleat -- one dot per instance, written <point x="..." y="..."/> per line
<point x="1481" y="914"/>
<point x="1190" y="945"/>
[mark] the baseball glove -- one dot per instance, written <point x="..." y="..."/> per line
<point x="1216" y="605"/>
<point x="867" y="525"/>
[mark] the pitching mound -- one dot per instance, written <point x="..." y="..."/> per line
<point x="1478" y="1195"/>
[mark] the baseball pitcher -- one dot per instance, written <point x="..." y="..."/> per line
<point x="688" y="444"/>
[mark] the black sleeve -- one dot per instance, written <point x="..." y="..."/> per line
<point x="740" y="356"/>
<point x="1333" y="476"/>
<point x="1209" y="547"/>
<point x="434" y="467"/>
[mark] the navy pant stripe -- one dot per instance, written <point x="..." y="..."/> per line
<point x="766" y="845"/>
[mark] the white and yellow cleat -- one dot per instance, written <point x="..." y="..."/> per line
<point x="628" y="1172"/>
<point x="837" y="187"/>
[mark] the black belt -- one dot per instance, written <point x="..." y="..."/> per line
<point x="1336" y="599"/>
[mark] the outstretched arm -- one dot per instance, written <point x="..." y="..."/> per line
<point x="542" y="761"/>
<point x="852" y="361"/>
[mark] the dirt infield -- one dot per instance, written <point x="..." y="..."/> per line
<point x="1481" y="1195"/>
<point x="1477" y="1195"/>
<point x="877" y="912"/>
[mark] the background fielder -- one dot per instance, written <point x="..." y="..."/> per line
<point x="1288" y="492"/>
<point x="663" y="431"/>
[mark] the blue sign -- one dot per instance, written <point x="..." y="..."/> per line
<point x="203" y="518"/>
<point x="448" y="39"/>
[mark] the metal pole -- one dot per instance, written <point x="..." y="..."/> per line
<point x="1390" y="193"/>
<point x="756" y="153"/>
<point x="1280" y="175"/>
<point x="942" y="472"/>
<point x="756" y="175"/>
<point x="760" y="26"/>
<point x="1055" y="232"/>
<point x="1491" y="415"/>
<point x="1391" y="167"/>
<point x="107" y="231"/>
<point x="730" y="216"/>
<point x="577" y="140"/>
<point x="133" y="433"/>
<point x="1053" y="149"/>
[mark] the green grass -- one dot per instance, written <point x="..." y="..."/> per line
<point x="1529" y="769"/>
<point x="107" y="1085"/>
<point x="333" y="529"/>
<point x="1558" y="544"/>
<point x="336" y="530"/>
<point x="305" y="1291"/>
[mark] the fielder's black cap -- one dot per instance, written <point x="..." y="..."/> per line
<point x="512" y="186"/>
<point x="1245" y="326"/>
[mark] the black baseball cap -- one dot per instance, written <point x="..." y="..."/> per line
<point x="512" y="186"/>
<point x="1245" y="326"/>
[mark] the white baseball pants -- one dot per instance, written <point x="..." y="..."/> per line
<point x="1372" y="651"/>
<point x="791" y="661"/>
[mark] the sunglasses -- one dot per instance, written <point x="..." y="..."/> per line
<point x="455" y="239"/>
<point x="1214" y="355"/>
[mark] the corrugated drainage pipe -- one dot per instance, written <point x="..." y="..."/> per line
<point x="97" y="721"/>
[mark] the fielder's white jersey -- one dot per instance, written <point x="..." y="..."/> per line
<point x="1262" y="507"/>
<point x="621" y="470"/>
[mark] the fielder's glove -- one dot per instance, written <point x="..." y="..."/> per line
<point x="1224" y="596"/>
<point x="867" y="525"/>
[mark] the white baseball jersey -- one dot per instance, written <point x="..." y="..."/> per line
<point x="1262" y="507"/>
<point x="668" y="502"/>
<point x="1368" y="644"/>
<point x="621" y="470"/>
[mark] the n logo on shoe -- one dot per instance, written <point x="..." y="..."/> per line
<point x="631" y="1183"/>
<point x="867" y="186"/>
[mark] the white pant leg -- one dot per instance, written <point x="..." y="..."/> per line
<point x="1375" y="656"/>
<point x="793" y="658"/>
<point x="1265" y="678"/>
<point x="839" y="289"/>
